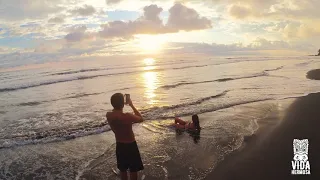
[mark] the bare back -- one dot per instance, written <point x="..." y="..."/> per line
<point x="121" y="125"/>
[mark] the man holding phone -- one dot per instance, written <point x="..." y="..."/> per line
<point x="127" y="152"/>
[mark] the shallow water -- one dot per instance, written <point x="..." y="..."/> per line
<point x="66" y="100"/>
<point x="165" y="153"/>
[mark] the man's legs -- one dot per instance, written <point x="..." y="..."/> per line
<point x="133" y="175"/>
<point x="124" y="175"/>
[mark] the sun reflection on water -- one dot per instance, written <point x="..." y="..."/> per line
<point x="150" y="81"/>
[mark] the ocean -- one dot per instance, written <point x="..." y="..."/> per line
<point x="52" y="115"/>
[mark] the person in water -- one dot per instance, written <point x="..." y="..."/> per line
<point x="183" y="125"/>
<point x="127" y="151"/>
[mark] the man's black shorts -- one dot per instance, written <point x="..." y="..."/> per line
<point x="128" y="157"/>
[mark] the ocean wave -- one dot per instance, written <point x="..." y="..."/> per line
<point x="32" y="103"/>
<point x="78" y="71"/>
<point x="92" y="128"/>
<point x="305" y="63"/>
<point x="49" y="82"/>
<point x="263" y="73"/>
<point x="36" y="103"/>
<point x="240" y="58"/>
<point x="248" y="58"/>
<point x="37" y="84"/>
<point x="84" y="77"/>
<point x="275" y="69"/>
<point x="199" y="101"/>
<point x="186" y="67"/>
<point x="52" y="135"/>
<point x="187" y="110"/>
<point x="214" y="80"/>
<point x="114" y="68"/>
<point x="69" y="79"/>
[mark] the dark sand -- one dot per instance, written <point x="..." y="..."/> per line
<point x="314" y="74"/>
<point x="268" y="155"/>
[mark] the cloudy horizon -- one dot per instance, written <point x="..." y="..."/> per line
<point x="43" y="30"/>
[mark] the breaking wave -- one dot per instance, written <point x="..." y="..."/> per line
<point x="52" y="135"/>
<point x="263" y="73"/>
<point x="35" y="103"/>
<point x="198" y="106"/>
<point x="84" y="77"/>
<point x="215" y="80"/>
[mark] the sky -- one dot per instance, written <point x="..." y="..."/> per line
<point x="47" y="30"/>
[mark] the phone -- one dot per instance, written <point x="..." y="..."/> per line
<point x="127" y="98"/>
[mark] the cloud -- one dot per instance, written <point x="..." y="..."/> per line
<point x="294" y="31"/>
<point x="255" y="9"/>
<point x="240" y="12"/>
<point x="152" y="13"/>
<point x="264" y="44"/>
<point x="86" y="10"/>
<point x="117" y="29"/>
<point x="148" y="23"/>
<point x="113" y="1"/>
<point x="13" y="10"/>
<point x="78" y="34"/>
<point x="58" y="19"/>
<point x="188" y="19"/>
<point x="289" y="21"/>
<point x="274" y="9"/>
<point x="256" y="47"/>
<point x="181" y="18"/>
<point x="56" y="50"/>
<point x="6" y="50"/>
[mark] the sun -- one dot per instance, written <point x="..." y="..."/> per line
<point x="149" y="61"/>
<point x="151" y="43"/>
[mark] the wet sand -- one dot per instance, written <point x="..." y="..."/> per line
<point x="266" y="154"/>
<point x="269" y="153"/>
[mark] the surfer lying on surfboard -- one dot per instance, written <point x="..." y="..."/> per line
<point x="183" y="125"/>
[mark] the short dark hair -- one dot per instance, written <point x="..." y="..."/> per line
<point x="117" y="101"/>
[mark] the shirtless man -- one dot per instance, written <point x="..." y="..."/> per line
<point x="127" y="152"/>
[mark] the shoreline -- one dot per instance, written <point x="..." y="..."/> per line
<point x="268" y="154"/>
<point x="164" y="152"/>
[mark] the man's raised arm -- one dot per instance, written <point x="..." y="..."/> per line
<point x="137" y="117"/>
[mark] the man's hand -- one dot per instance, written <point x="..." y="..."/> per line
<point x="130" y="103"/>
<point x="136" y="112"/>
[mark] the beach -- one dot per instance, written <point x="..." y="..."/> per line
<point x="269" y="154"/>
<point x="250" y="110"/>
<point x="215" y="89"/>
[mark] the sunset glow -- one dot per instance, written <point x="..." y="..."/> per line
<point x="50" y="31"/>
<point x="149" y="61"/>
<point x="151" y="44"/>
